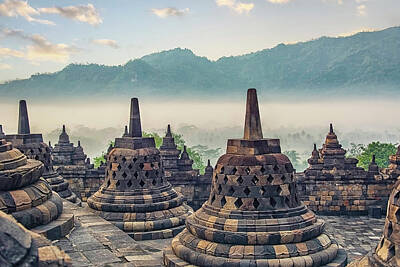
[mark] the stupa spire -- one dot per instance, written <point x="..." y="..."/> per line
<point x="126" y="133"/>
<point x="135" y="127"/>
<point x="252" y="126"/>
<point x="331" y="128"/>
<point x="168" y="134"/>
<point x="23" y="119"/>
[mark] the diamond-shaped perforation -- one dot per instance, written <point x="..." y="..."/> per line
<point x="247" y="191"/>
<point x="219" y="189"/>
<point x="240" y="180"/>
<point x="141" y="165"/>
<point x="114" y="174"/>
<point x="212" y="199"/>
<point x="233" y="171"/>
<point x="270" y="178"/>
<point x="276" y="168"/>
<point x="397" y="214"/>
<point x="389" y="229"/>
<point x="108" y="183"/>
<point x="154" y="182"/>
<point x="134" y="160"/>
<point x="129" y="184"/>
<point x="231" y="191"/>
<point x="238" y="203"/>
<point x="223" y="201"/>
<point x="272" y="201"/>
<point x="396" y="197"/>
<point x="123" y="159"/>
<point x="141" y="183"/>
<point x="130" y="166"/>
<point x="222" y="170"/>
<point x="118" y="183"/>
<point x="124" y="175"/>
<point x="247" y="170"/>
<point x="225" y="179"/>
<point x="278" y="190"/>
<point x="119" y="167"/>
<point x="262" y="170"/>
<point x="146" y="173"/>
<point x="256" y="204"/>
<point x="254" y="180"/>
<point x="262" y="191"/>
<point x="135" y="174"/>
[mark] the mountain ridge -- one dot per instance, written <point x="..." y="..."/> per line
<point x="358" y="64"/>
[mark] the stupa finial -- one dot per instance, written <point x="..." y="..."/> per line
<point x="135" y="127"/>
<point x="315" y="147"/>
<point x="252" y="126"/>
<point x="373" y="158"/>
<point x="168" y="134"/>
<point x="63" y="129"/>
<point x="79" y="143"/>
<point x="126" y="133"/>
<point x="23" y="119"/>
<point x="331" y="128"/>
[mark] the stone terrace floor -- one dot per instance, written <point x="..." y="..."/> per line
<point x="96" y="242"/>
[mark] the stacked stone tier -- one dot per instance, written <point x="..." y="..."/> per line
<point x="253" y="216"/>
<point x="387" y="251"/>
<point x="136" y="198"/>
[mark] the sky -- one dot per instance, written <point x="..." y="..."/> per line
<point x="44" y="36"/>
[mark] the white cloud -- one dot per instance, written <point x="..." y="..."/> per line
<point x="106" y="42"/>
<point x="362" y="10"/>
<point x="82" y="13"/>
<point x="238" y="7"/>
<point x="39" y="49"/>
<point x="7" y="52"/>
<point x="279" y="1"/>
<point x="15" y="8"/>
<point x="4" y="66"/>
<point x="169" y="11"/>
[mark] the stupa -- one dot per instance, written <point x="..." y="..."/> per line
<point x="253" y="216"/>
<point x="33" y="147"/>
<point x="334" y="185"/>
<point x="178" y="170"/>
<point x="387" y="251"/>
<point x="2" y="135"/>
<point x="73" y="164"/>
<point x="21" y="247"/>
<point x="135" y="196"/>
<point x="393" y="169"/>
<point x="28" y="197"/>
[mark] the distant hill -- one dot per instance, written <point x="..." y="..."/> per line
<point x="360" y="64"/>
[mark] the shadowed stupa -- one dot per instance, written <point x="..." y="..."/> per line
<point x="28" y="197"/>
<point x="135" y="196"/>
<point x="33" y="147"/>
<point x="253" y="216"/>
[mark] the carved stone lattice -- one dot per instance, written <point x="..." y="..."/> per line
<point x="135" y="196"/>
<point x="253" y="216"/>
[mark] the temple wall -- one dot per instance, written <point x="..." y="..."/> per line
<point x="344" y="196"/>
<point x="83" y="182"/>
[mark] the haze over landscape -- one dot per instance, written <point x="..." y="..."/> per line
<point x="191" y="62"/>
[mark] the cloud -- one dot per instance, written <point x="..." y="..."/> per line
<point x="15" y="8"/>
<point x="82" y="13"/>
<point x="238" y="7"/>
<point x="4" y="66"/>
<point x="7" y="52"/>
<point x="106" y="42"/>
<point x="39" y="49"/>
<point x="279" y="1"/>
<point x="169" y="12"/>
<point x="362" y="10"/>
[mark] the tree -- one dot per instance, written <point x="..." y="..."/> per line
<point x="295" y="159"/>
<point x="97" y="161"/>
<point x="382" y="151"/>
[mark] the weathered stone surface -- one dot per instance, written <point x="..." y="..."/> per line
<point x="135" y="195"/>
<point x="178" y="171"/>
<point x="387" y="252"/>
<point x="20" y="247"/>
<point x="253" y="216"/>
<point x="33" y="147"/>
<point x="334" y="185"/>
<point x="27" y="196"/>
<point x="72" y="163"/>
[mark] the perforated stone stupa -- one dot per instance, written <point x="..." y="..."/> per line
<point x="393" y="170"/>
<point x="135" y="196"/>
<point x="33" y="147"/>
<point x="28" y="197"/>
<point x="387" y="252"/>
<point x="253" y="216"/>
<point x="334" y="185"/>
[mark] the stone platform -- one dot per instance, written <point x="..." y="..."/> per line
<point x="97" y="242"/>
